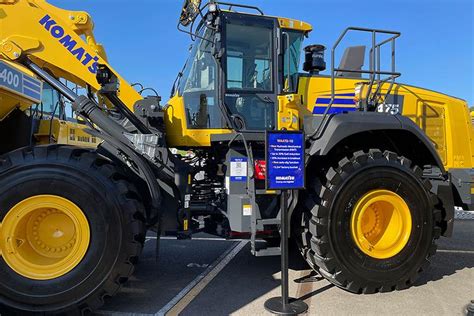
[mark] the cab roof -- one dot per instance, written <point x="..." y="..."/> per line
<point x="287" y="23"/>
<point x="284" y="23"/>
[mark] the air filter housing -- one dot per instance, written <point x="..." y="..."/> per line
<point x="314" y="59"/>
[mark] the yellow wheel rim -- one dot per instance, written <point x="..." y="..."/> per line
<point x="44" y="237"/>
<point x="381" y="224"/>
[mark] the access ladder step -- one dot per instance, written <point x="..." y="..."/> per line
<point x="266" y="252"/>
<point x="269" y="221"/>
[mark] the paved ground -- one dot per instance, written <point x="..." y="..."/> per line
<point x="203" y="277"/>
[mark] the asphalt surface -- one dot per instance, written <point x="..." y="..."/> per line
<point x="217" y="277"/>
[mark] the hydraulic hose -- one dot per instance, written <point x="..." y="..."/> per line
<point x="124" y="110"/>
<point x="111" y="131"/>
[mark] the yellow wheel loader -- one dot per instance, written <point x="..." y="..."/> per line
<point x="386" y="162"/>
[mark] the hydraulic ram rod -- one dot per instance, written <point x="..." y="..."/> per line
<point x="112" y="131"/>
<point x="82" y="105"/>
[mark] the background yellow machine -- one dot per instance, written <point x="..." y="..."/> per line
<point x="36" y="112"/>
<point x="386" y="162"/>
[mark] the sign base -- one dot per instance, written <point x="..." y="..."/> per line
<point x="277" y="306"/>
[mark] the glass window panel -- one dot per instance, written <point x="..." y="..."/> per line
<point x="249" y="57"/>
<point x="293" y="56"/>
<point x="198" y="86"/>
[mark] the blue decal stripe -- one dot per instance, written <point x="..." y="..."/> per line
<point x="32" y="81"/>
<point x="340" y="95"/>
<point x="33" y="87"/>
<point x="332" y="110"/>
<point x="32" y="94"/>
<point x="336" y="101"/>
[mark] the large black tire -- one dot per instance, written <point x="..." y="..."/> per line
<point x="113" y="210"/>
<point x="323" y="226"/>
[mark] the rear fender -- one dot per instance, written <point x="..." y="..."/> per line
<point x="342" y="126"/>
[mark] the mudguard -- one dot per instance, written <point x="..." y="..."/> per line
<point x="343" y="125"/>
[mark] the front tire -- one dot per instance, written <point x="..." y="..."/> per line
<point x="370" y="225"/>
<point x="56" y="199"/>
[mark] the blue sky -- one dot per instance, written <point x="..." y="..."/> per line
<point x="435" y="50"/>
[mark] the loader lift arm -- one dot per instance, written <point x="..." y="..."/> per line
<point x="50" y="32"/>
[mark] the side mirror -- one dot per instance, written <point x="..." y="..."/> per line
<point x="191" y="9"/>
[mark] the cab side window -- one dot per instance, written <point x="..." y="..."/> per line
<point x="198" y="87"/>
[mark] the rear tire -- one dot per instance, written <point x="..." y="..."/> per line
<point x="327" y="241"/>
<point x="114" y="213"/>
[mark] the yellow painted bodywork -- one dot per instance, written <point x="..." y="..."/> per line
<point x="381" y="224"/>
<point x="64" y="132"/>
<point x="286" y="23"/>
<point x="20" y="37"/>
<point x="289" y="113"/>
<point x="177" y="132"/>
<point x="44" y="237"/>
<point x="21" y="34"/>
<point x="444" y="119"/>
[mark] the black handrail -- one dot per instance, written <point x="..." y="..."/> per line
<point x="373" y="71"/>
<point x="231" y="5"/>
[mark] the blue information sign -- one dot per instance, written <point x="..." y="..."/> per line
<point x="285" y="160"/>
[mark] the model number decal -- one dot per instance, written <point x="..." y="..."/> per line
<point x="392" y="109"/>
<point x="393" y="105"/>
<point x="10" y="78"/>
<point x="21" y="84"/>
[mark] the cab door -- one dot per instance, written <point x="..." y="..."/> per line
<point x="250" y="72"/>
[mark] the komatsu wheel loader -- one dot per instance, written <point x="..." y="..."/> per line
<point x="385" y="162"/>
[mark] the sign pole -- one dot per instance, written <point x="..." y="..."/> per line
<point x="285" y="305"/>
<point x="285" y="153"/>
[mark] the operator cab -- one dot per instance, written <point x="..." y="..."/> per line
<point x="236" y="70"/>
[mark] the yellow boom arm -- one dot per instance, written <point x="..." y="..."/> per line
<point x="58" y="40"/>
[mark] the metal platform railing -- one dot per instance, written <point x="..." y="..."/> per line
<point x="375" y="73"/>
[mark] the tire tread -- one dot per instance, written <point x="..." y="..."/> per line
<point x="92" y="163"/>
<point x="318" y="252"/>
